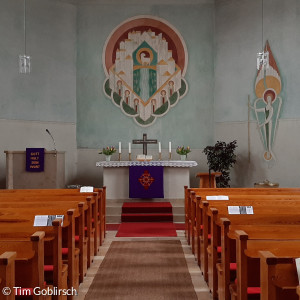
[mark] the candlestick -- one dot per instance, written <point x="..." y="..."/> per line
<point x="170" y="147"/>
<point x="129" y="157"/>
<point x="129" y="148"/>
<point x="119" y="156"/>
<point x="159" y="147"/>
<point x="170" y="156"/>
<point x="159" y="156"/>
<point x="120" y="147"/>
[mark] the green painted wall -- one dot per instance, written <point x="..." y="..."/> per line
<point x="238" y="38"/>
<point x="49" y="92"/>
<point x="99" y="122"/>
<point x="238" y="35"/>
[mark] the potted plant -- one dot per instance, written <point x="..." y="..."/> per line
<point x="183" y="152"/>
<point x="108" y="152"/>
<point x="221" y="158"/>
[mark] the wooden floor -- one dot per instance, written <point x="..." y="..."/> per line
<point x="199" y="284"/>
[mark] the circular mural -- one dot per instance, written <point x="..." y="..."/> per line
<point x="145" y="60"/>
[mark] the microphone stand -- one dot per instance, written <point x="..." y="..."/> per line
<point x="53" y="141"/>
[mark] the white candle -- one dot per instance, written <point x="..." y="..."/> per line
<point x="170" y="147"/>
<point x="159" y="147"/>
<point x="129" y="147"/>
<point x="119" y="147"/>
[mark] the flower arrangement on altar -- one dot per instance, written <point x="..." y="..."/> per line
<point x="182" y="150"/>
<point x="108" y="150"/>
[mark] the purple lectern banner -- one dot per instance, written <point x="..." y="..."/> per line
<point x="146" y="182"/>
<point x="35" y="158"/>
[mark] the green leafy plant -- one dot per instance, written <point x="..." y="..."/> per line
<point x="221" y="158"/>
<point x="108" y="150"/>
<point x="183" y="151"/>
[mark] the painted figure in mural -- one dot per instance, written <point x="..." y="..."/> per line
<point x="127" y="97"/>
<point x="267" y="105"/>
<point x="171" y="87"/>
<point x="267" y="112"/>
<point x="163" y="94"/>
<point x="119" y="87"/>
<point x="136" y="104"/>
<point x="153" y="105"/>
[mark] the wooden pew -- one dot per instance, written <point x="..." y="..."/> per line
<point x="64" y="199"/>
<point x="298" y="291"/>
<point x="240" y="200"/>
<point x="7" y="271"/>
<point x="71" y="254"/>
<point x="226" y="268"/>
<point x="80" y="239"/>
<point x="68" y="195"/>
<point x="203" y="192"/>
<point x="264" y="214"/>
<point x="14" y="226"/>
<point x="256" y="231"/>
<point x="209" y="218"/>
<point x="90" y="213"/>
<point x="99" y="193"/>
<point x="278" y="276"/>
<point x="212" y="213"/>
<point x="26" y="264"/>
<point x="206" y="214"/>
<point x="248" y="253"/>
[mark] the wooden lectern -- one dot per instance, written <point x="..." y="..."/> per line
<point x="52" y="177"/>
<point x="206" y="182"/>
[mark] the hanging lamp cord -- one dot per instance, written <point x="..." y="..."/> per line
<point x="262" y="25"/>
<point x="25" y="27"/>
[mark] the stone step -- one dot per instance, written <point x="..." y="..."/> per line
<point x="116" y="219"/>
<point x="144" y="217"/>
<point x="114" y="209"/>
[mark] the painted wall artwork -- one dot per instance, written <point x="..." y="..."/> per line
<point x="267" y="106"/>
<point x="145" y="60"/>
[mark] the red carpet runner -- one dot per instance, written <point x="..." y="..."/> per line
<point x="146" y="219"/>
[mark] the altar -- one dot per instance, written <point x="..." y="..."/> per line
<point x="116" y="177"/>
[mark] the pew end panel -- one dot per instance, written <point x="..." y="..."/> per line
<point x="279" y="278"/>
<point x="7" y="271"/>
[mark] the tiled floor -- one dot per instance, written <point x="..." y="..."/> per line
<point x="199" y="284"/>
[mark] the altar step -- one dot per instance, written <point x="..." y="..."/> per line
<point x="114" y="209"/>
<point x="152" y="217"/>
<point x="147" y="212"/>
<point x="146" y="207"/>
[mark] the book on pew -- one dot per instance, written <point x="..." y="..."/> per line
<point x="240" y="210"/>
<point x="86" y="189"/>
<point x="297" y="260"/>
<point x="46" y="220"/>
<point x="219" y="197"/>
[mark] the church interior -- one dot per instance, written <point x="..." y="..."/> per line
<point x="95" y="91"/>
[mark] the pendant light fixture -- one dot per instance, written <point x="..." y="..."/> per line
<point x="262" y="58"/>
<point x="24" y="59"/>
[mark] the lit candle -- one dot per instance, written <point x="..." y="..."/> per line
<point x="159" y="147"/>
<point x="170" y="147"/>
<point x="129" y="147"/>
<point x="119" y="147"/>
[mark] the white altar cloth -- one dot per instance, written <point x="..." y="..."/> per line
<point x="116" y="177"/>
<point x="164" y="163"/>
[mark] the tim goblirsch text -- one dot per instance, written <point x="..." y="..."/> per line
<point x="38" y="291"/>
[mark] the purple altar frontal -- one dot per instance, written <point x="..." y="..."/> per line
<point x="146" y="182"/>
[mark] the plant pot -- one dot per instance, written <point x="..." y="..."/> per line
<point x="107" y="157"/>
<point x="182" y="157"/>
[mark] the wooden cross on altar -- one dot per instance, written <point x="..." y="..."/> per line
<point x="145" y="142"/>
